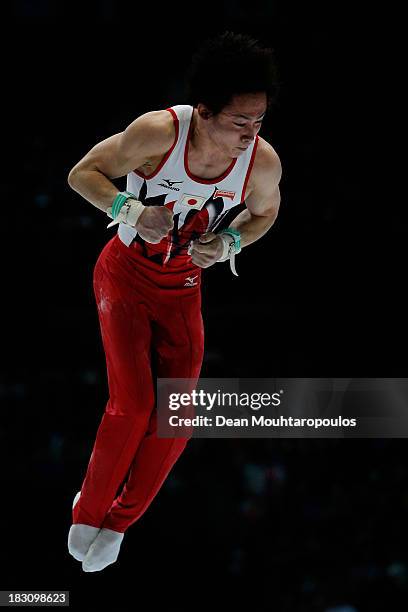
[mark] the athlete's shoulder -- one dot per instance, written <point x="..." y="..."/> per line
<point x="266" y="169"/>
<point x="263" y="197"/>
<point x="266" y="158"/>
<point x="156" y="126"/>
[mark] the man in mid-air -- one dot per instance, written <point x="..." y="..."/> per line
<point x="187" y="167"/>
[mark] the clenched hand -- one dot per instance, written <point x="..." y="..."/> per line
<point x="154" y="223"/>
<point x="206" y="250"/>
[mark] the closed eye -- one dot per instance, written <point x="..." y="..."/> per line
<point x="243" y="124"/>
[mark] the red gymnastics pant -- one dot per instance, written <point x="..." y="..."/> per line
<point x="146" y="313"/>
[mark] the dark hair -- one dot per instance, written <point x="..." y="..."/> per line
<point x="227" y="65"/>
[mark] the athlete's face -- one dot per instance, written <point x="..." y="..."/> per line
<point x="236" y="126"/>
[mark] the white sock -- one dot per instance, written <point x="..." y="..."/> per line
<point x="103" y="551"/>
<point x="80" y="537"/>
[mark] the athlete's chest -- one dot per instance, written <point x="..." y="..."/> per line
<point x="200" y="170"/>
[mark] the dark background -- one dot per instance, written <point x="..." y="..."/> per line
<point x="302" y="525"/>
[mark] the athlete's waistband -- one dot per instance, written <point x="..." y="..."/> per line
<point x="173" y="275"/>
<point x="178" y="264"/>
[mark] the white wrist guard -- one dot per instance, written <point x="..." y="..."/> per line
<point x="129" y="212"/>
<point x="227" y="240"/>
<point x="230" y="249"/>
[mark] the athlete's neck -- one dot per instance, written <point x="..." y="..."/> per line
<point x="202" y="144"/>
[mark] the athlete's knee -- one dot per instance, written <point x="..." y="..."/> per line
<point x="130" y="408"/>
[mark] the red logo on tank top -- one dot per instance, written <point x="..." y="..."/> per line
<point x="191" y="201"/>
<point x="224" y="194"/>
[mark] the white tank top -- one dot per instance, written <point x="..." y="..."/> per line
<point x="198" y="205"/>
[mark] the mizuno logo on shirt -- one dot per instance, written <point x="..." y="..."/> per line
<point x="170" y="184"/>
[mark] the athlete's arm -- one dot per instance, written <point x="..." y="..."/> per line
<point x="151" y="134"/>
<point x="262" y="209"/>
<point x="263" y="201"/>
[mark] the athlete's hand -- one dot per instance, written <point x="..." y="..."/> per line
<point x="154" y="223"/>
<point x="206" y="250"/>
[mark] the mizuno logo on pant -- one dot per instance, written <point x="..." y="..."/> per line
<point x="190" y="281"/>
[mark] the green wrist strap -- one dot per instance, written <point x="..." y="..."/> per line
<point x="236" y="234"/>
<point x="119" y="201"/>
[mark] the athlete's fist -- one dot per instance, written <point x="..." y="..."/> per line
<point x="206" y="250"/>
<point x="154" y="223"/>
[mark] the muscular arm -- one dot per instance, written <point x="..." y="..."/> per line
<point x="149" y="135"/>
<point x="262" y="209"/>
<point x="263" y="201"/>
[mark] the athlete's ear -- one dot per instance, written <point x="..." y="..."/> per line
<point x="203" y="111"/>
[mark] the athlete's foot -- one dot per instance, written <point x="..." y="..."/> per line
<point x="80" y="537"/>
<point x="103" y="551"/>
